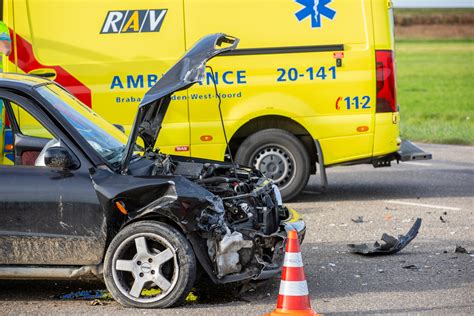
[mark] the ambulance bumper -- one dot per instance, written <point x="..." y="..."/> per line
<point x="411" y="152"/>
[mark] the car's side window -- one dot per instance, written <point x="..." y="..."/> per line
<point x="24" y="136"/>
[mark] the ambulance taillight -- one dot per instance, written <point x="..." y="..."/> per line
<point x="386" y="94"/>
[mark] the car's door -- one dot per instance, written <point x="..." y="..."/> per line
<point x="48" y="215"/>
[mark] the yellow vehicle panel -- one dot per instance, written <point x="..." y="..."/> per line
<point x="287" y="84"/>
<point x="117" y="68"/>
<point x="309" y="70"/>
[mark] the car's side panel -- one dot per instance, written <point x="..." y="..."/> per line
<point x="49" y="216"/>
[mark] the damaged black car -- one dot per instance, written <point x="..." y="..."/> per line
<point x="82" y="198"/>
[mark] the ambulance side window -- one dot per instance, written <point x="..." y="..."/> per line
<point x="28" y="125"/>
<point x="24" y="137"/>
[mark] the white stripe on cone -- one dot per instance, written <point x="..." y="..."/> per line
<point x="294" y="288"/>
<point x="293" y="260"/>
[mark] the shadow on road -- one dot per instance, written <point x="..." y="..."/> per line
<point x="355" y="184"/>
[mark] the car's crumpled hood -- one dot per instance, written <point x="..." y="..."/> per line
<point x="189" y="70"/>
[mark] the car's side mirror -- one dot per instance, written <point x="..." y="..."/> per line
<point x="60" y="157"/>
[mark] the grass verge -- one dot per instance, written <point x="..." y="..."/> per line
<point x="436" y="90"/>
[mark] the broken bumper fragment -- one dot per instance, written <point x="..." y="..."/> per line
<point x="390" y="244"/>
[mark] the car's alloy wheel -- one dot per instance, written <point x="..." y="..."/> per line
<point x="149" y="264"/>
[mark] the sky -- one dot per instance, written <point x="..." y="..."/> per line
<point x="433" y="3"/>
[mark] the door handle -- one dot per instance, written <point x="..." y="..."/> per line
<point x="49" y="73"/>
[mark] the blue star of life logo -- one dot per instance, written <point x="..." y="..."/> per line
<point x="315" y="9"/>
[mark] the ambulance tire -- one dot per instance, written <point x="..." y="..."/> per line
<point x="281" y="156"/>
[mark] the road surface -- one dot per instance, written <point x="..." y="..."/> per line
<point x="389" y="200"/>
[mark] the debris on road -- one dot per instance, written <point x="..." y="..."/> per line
<point x="460" y="249"/>
<point x="96" y="302"/>
<point x="411" y="267"/>
<point x="442" y="219"/>
<point x="388" y="217"/>
<point x="97" y="295"/>
<point x="86" y="295"/>
<point x="390" y="244"/>
<point x="358" y="220"/>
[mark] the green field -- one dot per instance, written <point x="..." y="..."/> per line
<point x="435" y="81"/>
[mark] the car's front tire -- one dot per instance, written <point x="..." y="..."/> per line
<point x="149" y="265"/>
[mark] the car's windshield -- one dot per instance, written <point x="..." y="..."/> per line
<point x="104" y="137"/>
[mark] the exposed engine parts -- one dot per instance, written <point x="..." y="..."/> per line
<point x="226" y="252"/>
<point x="241" y="221"/>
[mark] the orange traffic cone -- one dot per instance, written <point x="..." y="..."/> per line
<point x="293" y="298"/>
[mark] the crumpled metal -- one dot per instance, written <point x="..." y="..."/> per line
<point x="389" y="245"/>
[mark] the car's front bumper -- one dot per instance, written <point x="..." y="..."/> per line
<point x="293" y="222"/>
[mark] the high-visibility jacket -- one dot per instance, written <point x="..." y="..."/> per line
<point x="4" y="36"/>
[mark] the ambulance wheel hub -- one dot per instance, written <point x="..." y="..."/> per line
<point x="276" y="163"/>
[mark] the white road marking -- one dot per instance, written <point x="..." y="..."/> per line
<point x="424" y="205"/>
<point x="424" y="164"/>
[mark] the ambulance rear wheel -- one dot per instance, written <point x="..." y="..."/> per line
<point x="280" y="156"/>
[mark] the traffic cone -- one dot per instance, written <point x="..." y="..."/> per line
<point x="293" y="298"/>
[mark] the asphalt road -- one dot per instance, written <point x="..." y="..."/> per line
<point x="389" y="199"/>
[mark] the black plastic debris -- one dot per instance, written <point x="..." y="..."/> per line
<point x="442" y="219"/>
<point x="460" y="249"/>
<point x="358" y="220"/>
<point x="390" y="244"/>
<point x="411" y="267"/>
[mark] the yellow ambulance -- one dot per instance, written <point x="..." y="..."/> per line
<point x="312" y="82"/>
